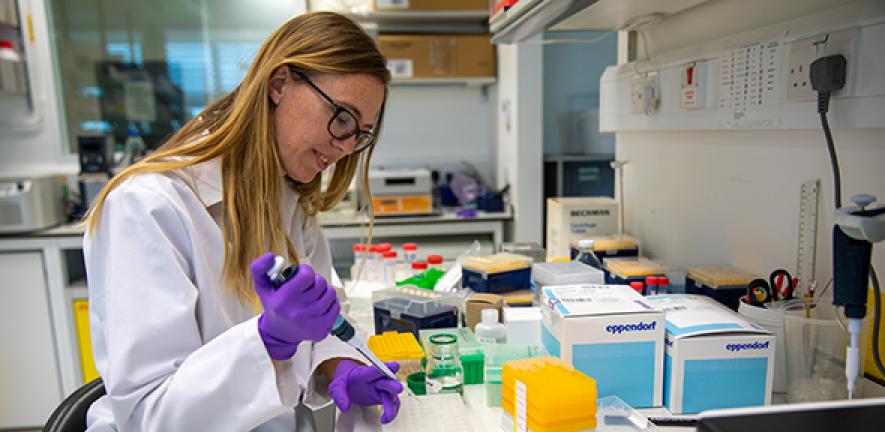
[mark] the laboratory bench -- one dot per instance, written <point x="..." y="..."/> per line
<point x="445" y="222"/>
<point x="42" y="326"/>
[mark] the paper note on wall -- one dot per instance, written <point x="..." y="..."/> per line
<point x="749" y="83"/>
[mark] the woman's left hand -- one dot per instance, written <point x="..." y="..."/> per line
<point x="366" y="385"/>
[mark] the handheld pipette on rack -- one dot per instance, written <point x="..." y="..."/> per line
<point x="342" y="329"/>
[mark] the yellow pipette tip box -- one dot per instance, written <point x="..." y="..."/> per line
<point x="556" y="396"/>
<point x="497" y="263"/>
<point x="627" y="268"/>
<point x="721" y="276"/>
<point x="608" y="243"/>
<point x="399" y="347"/>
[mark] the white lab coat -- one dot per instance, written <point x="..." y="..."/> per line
<point x="176" y="349"/>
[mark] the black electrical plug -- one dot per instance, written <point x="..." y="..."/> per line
<point x="827" y="75"/>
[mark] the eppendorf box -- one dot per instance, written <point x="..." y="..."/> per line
<point x="714" y="359"/>
<point x="609" y="333"/>
<point x="578" y="217"/>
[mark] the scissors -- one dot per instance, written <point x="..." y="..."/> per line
<point x="779" y="286"/>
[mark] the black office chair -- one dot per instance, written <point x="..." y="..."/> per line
<point x="70" y="415"/>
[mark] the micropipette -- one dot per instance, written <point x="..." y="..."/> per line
<point x="341" y="328"/>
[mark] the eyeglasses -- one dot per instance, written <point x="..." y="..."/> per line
<point x="343" y="124"/>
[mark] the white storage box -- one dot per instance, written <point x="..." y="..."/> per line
<point x="609" y="333"/>
<point x="714" y="358"/>
<point x="523" y="325"/>
<point x="571" y="218"/>
<point x="566" y="273"/>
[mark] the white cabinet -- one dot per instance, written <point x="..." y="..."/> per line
<point x="31" y="386"/>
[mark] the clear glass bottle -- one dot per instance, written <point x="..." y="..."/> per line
<point x="444" y="371"/>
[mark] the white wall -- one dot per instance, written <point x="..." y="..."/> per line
<point x="439" y="126"/>
<point x="520" y="136"/>
<point x="702" y="197"/>
<point x="714" y="196"/>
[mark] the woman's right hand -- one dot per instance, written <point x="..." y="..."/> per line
<point x="302" y="308"/>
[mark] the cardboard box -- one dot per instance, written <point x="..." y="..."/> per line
<point x="479" y="301"/>
<point x="609" y="333"/>
<point x="572" y="218"/>
<point x="714" y="358"/>
<point x="424" y="5"/>
<point x="438" y="56"/>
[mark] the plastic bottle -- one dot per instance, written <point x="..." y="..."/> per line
<point x="390" y="268"/>
<point x="445" y="374"/>
<point x="373" y="261"/>
<point x="12" y="78"/>
<point x="435" y="261"/>
<point x="489" y="330"/>
<point x="410" y="253"/>
<point x="587" y="256"/>
<point x="663" y="285"/>
<point x="384" y="247"/>
<point x="359" y="252"/>
<point x="418" y="267"/>
<point x="359" y="260"/>
<point x="134" y="146"/>
<point x="651" y="283"/>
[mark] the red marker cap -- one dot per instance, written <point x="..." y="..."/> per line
<point x="410" y="246"/>
<point x="419" y="265"/>
<point x="390" y="254"/>
<point x="435" y="259"/>
<point x="384" y="247"/>
<point x="359" y="247"/>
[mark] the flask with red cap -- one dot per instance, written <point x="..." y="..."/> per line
<point x="435" y="261"/>
<point x="410" y="253"/>
<point x="390" y="267"/>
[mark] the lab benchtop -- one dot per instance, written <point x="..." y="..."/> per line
<point x="347" y="218"/>
<point x="327" y="219"/>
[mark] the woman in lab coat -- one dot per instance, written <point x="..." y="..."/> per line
<point x="177" y="249"/>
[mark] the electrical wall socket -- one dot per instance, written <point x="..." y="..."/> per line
<point x="644" y="95"/>
<point x="805" y="51"/>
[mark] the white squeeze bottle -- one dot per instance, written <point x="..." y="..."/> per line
<point x="489" y="330"/>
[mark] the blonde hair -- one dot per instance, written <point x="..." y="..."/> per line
<point x="239" y="129"/>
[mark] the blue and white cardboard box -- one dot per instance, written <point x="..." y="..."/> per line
<point x="609" y="333"/>
<point x="714" y="358"/>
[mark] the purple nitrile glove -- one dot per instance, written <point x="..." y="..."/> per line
<point x="366" y="385"/>
<point x="303" y="308"/>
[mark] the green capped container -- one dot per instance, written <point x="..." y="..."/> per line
<point x="472" y="356"/>
<point x="496" y="356"/>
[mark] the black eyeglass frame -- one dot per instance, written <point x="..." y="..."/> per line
<point x="339" y="109"/>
